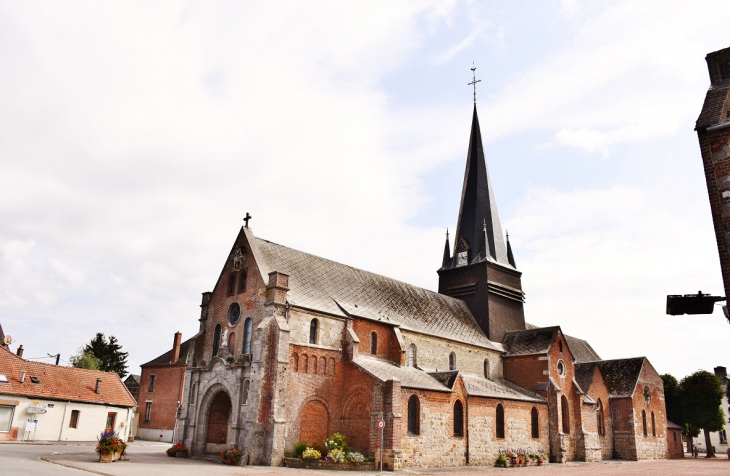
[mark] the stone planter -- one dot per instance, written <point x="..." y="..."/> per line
<point x="328" y="465"/>
<point x="181" y="454"/>
<point x="109" y="457"/>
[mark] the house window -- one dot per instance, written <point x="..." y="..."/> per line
<point x="486" y="368"/>
<point x="3" y="378"/>
<point x="373" y="343"/>
<point x="452" y="361"/>
<point x="566" y="414"/>
<point x="412" y="355"/>
<point x="535" y="423"/>
<point x="231" y="284"/>
<point x="313" y="331"/>
<point x="242" y="281"/>
<point x="413" y="416"/>
<point x="643" y="421"/>
<point x="500" y="421"/>
<point x="247" y="327"/>
<point x="234" y="313"/>
<point x="151" y="388"/>
<point x="653" y="425"/>
<point x="147" y="412"/>
<point x="74" y="419"/>
<point x="6" y="417"/>
<point x="723" y="437"/>
<point x="216" y="339"/>
<point x="458" y="419"/>
<point x="599" y="418"/>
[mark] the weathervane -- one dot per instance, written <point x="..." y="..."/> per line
<point x="474" y="81"/>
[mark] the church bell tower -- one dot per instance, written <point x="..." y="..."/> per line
<point x="482" y="270"/>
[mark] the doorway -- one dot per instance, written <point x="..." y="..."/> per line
<point x="216" y="436"/>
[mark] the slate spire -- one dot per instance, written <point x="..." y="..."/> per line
<point x="447" y="251"/>
<point x="510" y="256"/>
<point x="478" y="223"/>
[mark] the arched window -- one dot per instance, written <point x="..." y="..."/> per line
<point x="653" y="425"/>
<point x="412" y="355"/>
<point x="458" y="419"/>
<point x="313" y="331"/>
<point x="234" y="314"/>
<point x="560" y="345"/>
<point x="599" y="418"/>
<point x="566" y="414"/>
<point x="242" y="281"/>
<point x="413" y="416"/>
<point x="486" y="368"/>
<point x="500" y="421"/>
<point x="232" y="341"/>
<point x="193" y="393"/>
<point x="216" y="339"/>
<point x="643" y="421"/>
<point x="452" y="361"/>
<point x="535" y="423"/>
<point x="247" y="328"/>
<point x="374" y="343"/>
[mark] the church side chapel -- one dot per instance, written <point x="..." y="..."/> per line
<point x="293" y="348"/>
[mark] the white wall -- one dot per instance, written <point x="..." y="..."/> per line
<point x="54" y="424"/>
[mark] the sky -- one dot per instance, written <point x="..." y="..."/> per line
<point x="135" y="136"/>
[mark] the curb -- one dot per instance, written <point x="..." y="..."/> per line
<point x="48" y="460"/>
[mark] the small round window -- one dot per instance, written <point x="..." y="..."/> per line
<point x="647" y="395"/>
<point x="234" y="313"/>
<point x="561" y="368"/>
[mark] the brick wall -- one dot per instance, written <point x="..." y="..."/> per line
<point x="387" y="344"/>
<point x="218" y="417"/>
<point x="526" y="371"/>
<point x="650" y="447"/>
<point x="169" y="381"/>
<point x="598" y="392"/>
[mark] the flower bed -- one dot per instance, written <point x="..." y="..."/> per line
<point x="329" y="465"/>
<point x="517" y="458"/>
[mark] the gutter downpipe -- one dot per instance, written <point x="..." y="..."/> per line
<point x="65" y="409"/>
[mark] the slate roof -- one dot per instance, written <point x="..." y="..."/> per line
<point x="447" y="378"/>
<point x="673" y="425"/>
<point x="714" y="109"/>
<point x="621" y="375"/>
<point x="478" y="386"/>
<point x="327" y="286"/>
<point x="584" y="373"/>
<point x="165" y="358"/>
<point x="409" y="377"/>
<point x="136" y="378"/>
<point x="531" y="341"/>
<point x="61" y="383"/>
<point x="581" y="349"/>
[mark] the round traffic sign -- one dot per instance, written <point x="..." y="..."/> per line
<point x="381" y="424"/>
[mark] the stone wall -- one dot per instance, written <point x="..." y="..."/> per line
<point x="433" y="353"/>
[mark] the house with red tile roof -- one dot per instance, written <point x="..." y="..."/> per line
<point x="40" y="401"/>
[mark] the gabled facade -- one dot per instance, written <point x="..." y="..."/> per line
<point x="293" y="347"/>
<point x="68" y="404"/>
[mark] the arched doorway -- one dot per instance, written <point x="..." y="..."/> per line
<point x="314" y="422"/>
<point x="216" y="435"/>
<point x="356" y="422"/>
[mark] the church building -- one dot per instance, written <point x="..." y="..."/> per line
<point x="293" y="347"/>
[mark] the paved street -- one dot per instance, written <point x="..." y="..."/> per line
<point x="149" y="459"/>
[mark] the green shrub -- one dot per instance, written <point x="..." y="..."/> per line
<point x="336" y="441"/>
<point x="299" y="449"/>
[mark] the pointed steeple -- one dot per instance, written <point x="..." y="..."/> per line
<point x="447" y="252"/>
<point x="510" y="256"/>
<point x="478" y="223"/>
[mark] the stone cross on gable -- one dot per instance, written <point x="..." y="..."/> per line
<point x="247" y="218"/>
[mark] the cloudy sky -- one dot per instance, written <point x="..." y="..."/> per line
<point x="135" y="136"/>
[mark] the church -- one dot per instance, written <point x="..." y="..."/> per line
<point x="293" y="347"/>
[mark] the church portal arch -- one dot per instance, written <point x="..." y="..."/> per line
<point x="217" y="418"/>
<point x="314" y="422"/>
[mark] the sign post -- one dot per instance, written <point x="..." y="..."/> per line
<point x="381" y="426"/>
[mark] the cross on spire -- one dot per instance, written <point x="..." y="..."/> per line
<point x="247" y="218"/>
<point x="474" y="80"/>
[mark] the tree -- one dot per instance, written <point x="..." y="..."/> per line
<point x="701" y="396"/>
<point x="84" y="360"/>
<point x="675" y="414"/>
<point x="110" y="355"/>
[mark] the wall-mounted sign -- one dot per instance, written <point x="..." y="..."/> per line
<point x="37" y="411"/>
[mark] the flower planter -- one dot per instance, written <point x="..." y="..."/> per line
<point x="110" y="457"/>
<point x="328" y="465"/>
<point x="181" y="454"/>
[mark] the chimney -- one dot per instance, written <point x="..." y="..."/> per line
<point x="721" y="372"/>
<point x="176" y="347"/>
<point x="22" y="376"/>
<point x="20" y="351"/>
<point x="718" y="63"/>
<point x="98" y="386"/>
